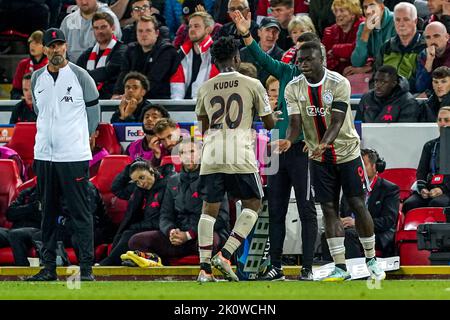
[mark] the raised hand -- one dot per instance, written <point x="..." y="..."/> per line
<point x="242" y="23"/>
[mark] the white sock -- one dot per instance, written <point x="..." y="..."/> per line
<point x="244" y="224"/>
<point x="369" y="246"/>
<point x="337" y="249"/>
<point x="205" y="237"/>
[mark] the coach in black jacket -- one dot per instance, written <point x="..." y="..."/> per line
<point x="383" y="203"/>
<point x="180" y="212"/>
<point x="142" y="212"/>
<point x="158" y="61"/>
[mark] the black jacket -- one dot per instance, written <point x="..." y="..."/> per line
<point x="158" y="65"/>
<point x="123" y="187"/>
<point x="25" y="211"/>
<point x="107" y="74"/>
<point x="430" y="108"/>
<point x="430" y="155"/>
<point x="182" y="206"/>
<point x="135" y="117"/>
<point x="246" y="56"/>
<point x="22" y="113"/>
<point x="383" y="205"/>
<point x="143" y="209"/>
<point x="400" y="106"/>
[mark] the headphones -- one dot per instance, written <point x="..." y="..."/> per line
<point x="380" y="164"/>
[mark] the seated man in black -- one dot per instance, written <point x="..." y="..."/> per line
<point x="25" y="214"/>
<point x="180" y="212"/>
<point x="383" y="202"/>
<point x="389" y="101"/>
<point x="136" y="87"/>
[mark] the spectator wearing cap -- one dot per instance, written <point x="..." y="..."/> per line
<point x="141" y="8"/>
<point x="35" y="61"/>
<point x="66" y="101"/>
<point x="152" y="56"/>
<point x="174" y="12"/>
<point x="148" y="147"/>
<point x="103" y="60"/>
<point x="340" y="38"/>
<point x="196" y="62"/>
<point x="268" y="33"/>
<point x="189" y="7"/>
<point x="229" y="28"/>
<point x="77" y="27"/>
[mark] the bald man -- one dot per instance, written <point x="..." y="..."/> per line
<point x="436" y="54"/>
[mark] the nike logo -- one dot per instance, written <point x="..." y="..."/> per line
<point x="41" y="91"/>
<point x="79" y="179"/>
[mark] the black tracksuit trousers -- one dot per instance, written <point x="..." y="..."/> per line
<point x="293" y="172"/>
<point x="68" y="180"/>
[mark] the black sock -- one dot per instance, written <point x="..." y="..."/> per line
<point x="342" y="266"/>
<point x="206" y="267"/>
<point x="226" y="254"/>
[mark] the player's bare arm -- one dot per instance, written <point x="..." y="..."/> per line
<point x="293" y="131"/>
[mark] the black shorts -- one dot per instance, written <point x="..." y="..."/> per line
<point x="329" y="178"/>
<point x="243" y="186"/>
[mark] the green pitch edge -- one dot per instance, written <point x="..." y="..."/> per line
<point x="290" y="271"/>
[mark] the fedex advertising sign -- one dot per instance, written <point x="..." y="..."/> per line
<point x="133" y="133"/>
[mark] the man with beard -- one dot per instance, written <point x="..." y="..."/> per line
<point x="136" y="87"/>
<point x="65" y="99"/>
<point x="148" y="146"/>
<point x="77" y="27"/>
<point x="436" y="54"/>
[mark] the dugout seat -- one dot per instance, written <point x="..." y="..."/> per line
<point x="403" y="178"/>
<point x="109" y="168"/>
<point x="175" y="160"/>
<point x="107" y="138"/>
<point x="27" y="184"/>
<point x="192" y="260"/>
<point x="22" y="141"/>
<point x="9" y="182"/>
<point x="406" y="239"/>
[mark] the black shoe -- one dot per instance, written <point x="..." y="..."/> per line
<point x="273" y="274"/>
<point x="44" y="275"/>
<point x="306" y="275"/>
<point x="87" y="276"/>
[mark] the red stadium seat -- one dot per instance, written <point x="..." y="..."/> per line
<point x="109" y="168"/>
<point x="10" y="180"/>
<point x="403" y="177"/>
<point x="175" y="160"/>
<point x="406" y="239"/>
<point x="27" y="184"/>
<point x="107" y="138"/>
<point x="22" y="141"/>
<point x="183" y="261"/>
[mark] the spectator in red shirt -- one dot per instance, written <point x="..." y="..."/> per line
<point x="36" y="61"/>
<point x="340" y="38"/>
